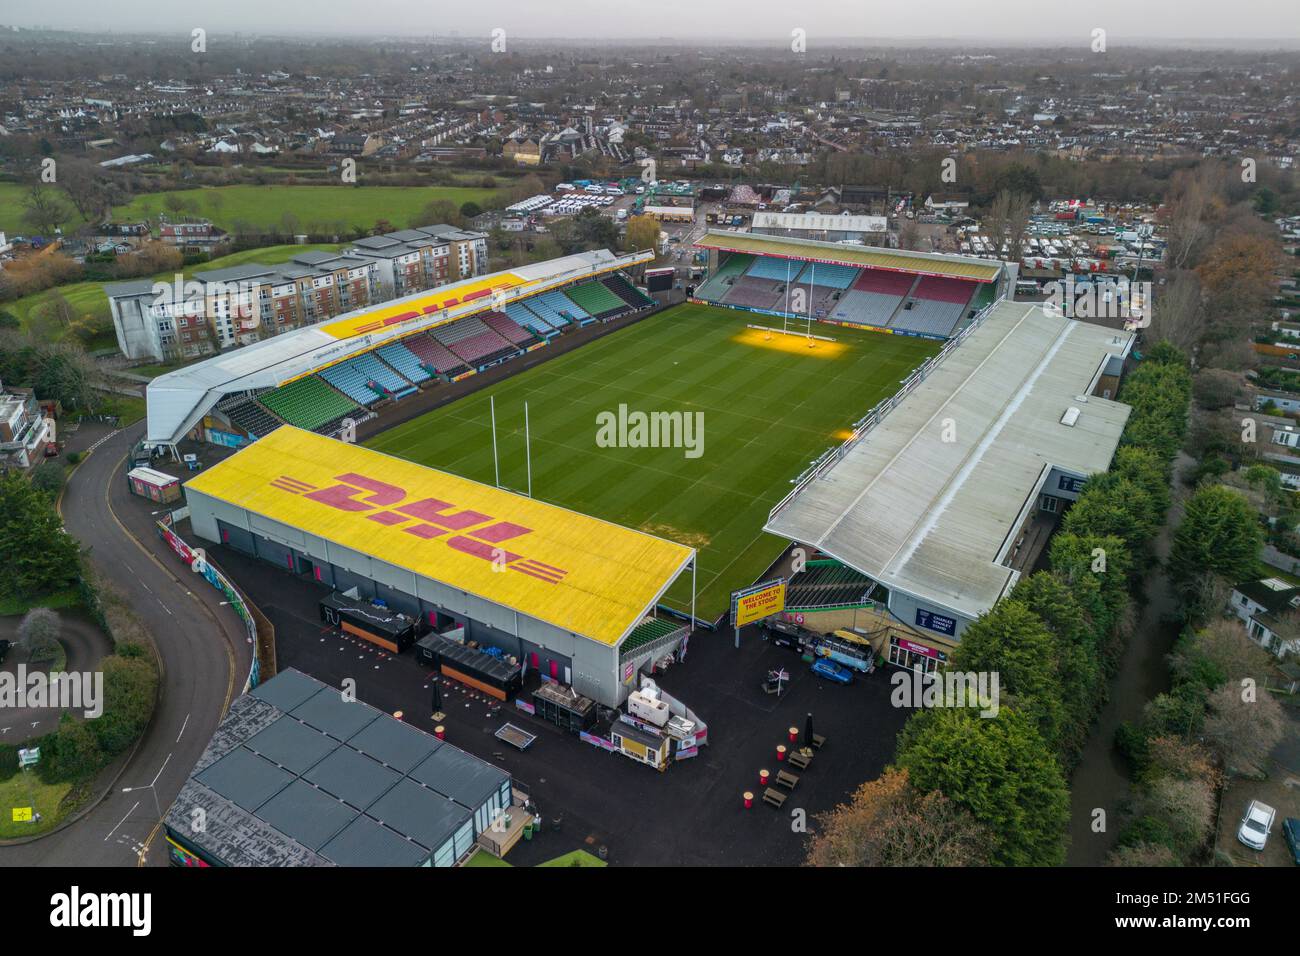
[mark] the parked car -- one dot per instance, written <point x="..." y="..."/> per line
<point x="1291" y="833"/>
<point x="1256" y="825"/>
<point x="829" y="670"/>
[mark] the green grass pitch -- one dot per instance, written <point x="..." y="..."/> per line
<point x="767" y="413"/>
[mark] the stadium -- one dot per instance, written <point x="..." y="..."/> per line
<point x="511" y="476"/>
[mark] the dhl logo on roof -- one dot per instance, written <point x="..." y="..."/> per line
<point x="579" y="573"/>
<point x="373" y="320"/>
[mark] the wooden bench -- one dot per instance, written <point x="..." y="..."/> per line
<point x="799" y="759"/>
<point x="775" y="797"/>
<point x="818" y="741"/>
<point x="785" y="779"/>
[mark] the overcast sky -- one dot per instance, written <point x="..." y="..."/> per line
<point x="747" y="20"/>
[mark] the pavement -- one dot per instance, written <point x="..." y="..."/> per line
<point x="202" y="653"/>
<point x="690" y="815"/>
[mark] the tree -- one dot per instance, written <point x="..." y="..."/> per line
<point x="1244" y="725"/>
<point x="1183" y="808"/>
<point x="39" y="631"/>
<point x="1219" y="534"/>
<point x="1219" y="653"/>
<point x="1216" y="388"/>
<point x="642" y="233"/>
<point x="888" y="822"/>
<point x="36" y="555"/>
<point x="1144" y="855"/>
<point x="48" y="477"/>
<point x="1179" y="316"/>
<point x="45" y="211"/>
<point x="997" y="768"/>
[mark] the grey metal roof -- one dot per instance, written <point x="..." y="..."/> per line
<point x="364" y="842"/>
<point x="310" y="816"/>
<point x="930" y="516"/>
<point x="460" y="776"/>
<point x="327" y="795"/>
<point x="424" y="815"/>
<point x="245" y="779"/>
<point x="394" y="744"/>
<point x="327" y="710"/>
<point x="292" y="745"/>
<point x="354" y="777"/>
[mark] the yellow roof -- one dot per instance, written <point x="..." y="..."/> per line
<point x="435" y="300"/>
<point x="760" y="244"/>
<point x="579" y="573"/>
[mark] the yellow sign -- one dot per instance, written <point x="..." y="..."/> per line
<point x="760" y="604"/>
<point x="435" y="300"/>
<point x="582" y="574"/>
<point x="22" y="814"/>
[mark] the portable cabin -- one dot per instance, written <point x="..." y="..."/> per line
<point x="564" y="707"/>
<point x="379" y="625"/>
<point x="641" y="745"/>
<point x="494" y="676"/>
<point x="154" y="485"/>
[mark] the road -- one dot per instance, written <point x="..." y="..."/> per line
<point x="204" y="658"/>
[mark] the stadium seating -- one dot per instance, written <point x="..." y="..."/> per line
<point x="929" y="317"/>
<point x="250" y="416"/>
<point x="309" y="403"/>
<point x="366" y="379"/>
<point x="435" y="355"/>
<point x="505" y="327"/>
<point x="719" y="283"/>
<point x="984" y="296"/>
<point x="525" y="318"/>
<point x="474" y="342"/>
<point x="885" y="283"/>
<point x="626" y="291"/>
<point x="765" y="267"/>
<point x="753" y="293"/>
<point x="596" y="300"/>
<point x="942" y="289"/>
<point x="873" y="298"/>
<point x="557" y="309"/>
<point x="830" y="275"/>
<point x="405" y="361"/>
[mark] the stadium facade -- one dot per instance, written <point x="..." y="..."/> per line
<point x="569" y="595"/>
<point x="363" y="356"/>
<point x="947" y="492"/>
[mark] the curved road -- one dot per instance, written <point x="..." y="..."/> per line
<point x="204" y="657"/>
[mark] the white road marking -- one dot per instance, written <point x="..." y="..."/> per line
<point x="123" y="820"/>
<point x="185" y="723"/>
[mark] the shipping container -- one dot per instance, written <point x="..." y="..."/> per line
<point x="493" y="675"/>
<point x="154" y="485"/>
<point x="380" y="626"/>
<point x="564" y="707"/>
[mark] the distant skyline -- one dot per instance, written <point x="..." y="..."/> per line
<point x="1250" y="23"/>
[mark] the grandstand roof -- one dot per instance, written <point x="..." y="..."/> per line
<point x="579" y="573"/>
<point x="934" y="518"/>
<point x="815" y="221"/>
<point x="899" y="260"/>
<point x="179" y="399"/>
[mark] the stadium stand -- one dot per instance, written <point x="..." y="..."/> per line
<point x="940" y="289"/>
<point x="502" y="325"/>
<point x="405" y="361"/>
<point x="433" y="354"/>
<point x="597" y="300"/>
<point x="367" y="375"/>
<point x="474" y="342"/>
<point x="831" y="275"/>
<point x="874" y="298"/>
<point x="719" y="283"/>
<point x="984" y="296"/>
<point x="928" y="317"/>
<point x="557" y="309"/>
<point x="527" y="319"/>
<point x="245" y="413"/>
<point x="626" y="291"/>
<point x="309" y="403"/>
<point x="753" y="293"/>
<point x="766" y="267"/>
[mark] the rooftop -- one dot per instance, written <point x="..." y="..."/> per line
<point x="926" y="501"/>
<point x="584" y="575"/>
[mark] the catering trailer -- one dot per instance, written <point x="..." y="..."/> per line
<point x="494" y="675"/>
<point x="380" y="626"/>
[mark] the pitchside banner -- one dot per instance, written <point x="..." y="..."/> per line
<point x="757" y="602"/>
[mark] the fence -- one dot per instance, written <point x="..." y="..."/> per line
<point x="262" y="637"/>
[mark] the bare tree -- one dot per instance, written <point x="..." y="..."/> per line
<point x="1179" y="315"/>
<point x="45" y="212"/>
<point x="1244" y="726"/>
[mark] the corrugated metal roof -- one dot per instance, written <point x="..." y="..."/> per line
<point x="865" y="256"/>
<point x="926" y="499"/>
<point x="582" y="574"/>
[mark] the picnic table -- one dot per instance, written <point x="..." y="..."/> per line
<point x="800" y="758"/>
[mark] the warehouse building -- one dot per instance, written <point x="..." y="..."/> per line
<point x="867" y="230"/>
<point x="949" y="492"/>
<point x="569" y="595"/>
<point x="299" y="775"/>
